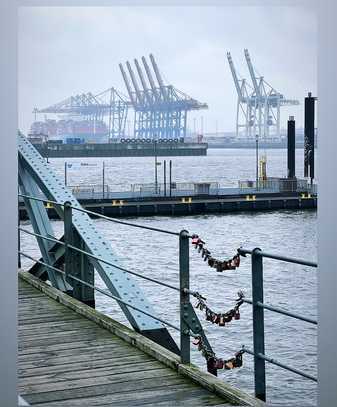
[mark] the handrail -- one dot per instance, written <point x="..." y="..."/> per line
<point x="287" y="259"/>
<point x="281" y="311"/>
<point x="277" y="363"/>
<point x="99" y="215"/>
<point x="99" y="259"/>
<point x="258" y="305"/>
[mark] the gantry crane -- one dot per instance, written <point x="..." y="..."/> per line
<point x="261" y="106"/>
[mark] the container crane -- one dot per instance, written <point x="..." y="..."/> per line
<point x="263" y="104"/>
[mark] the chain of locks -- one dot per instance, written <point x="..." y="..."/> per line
<point x="220" y="319"/>
<point x="215" y="362"/>
<point x="219" y="265"/>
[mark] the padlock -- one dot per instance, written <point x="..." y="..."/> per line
<point x="236" y="260"/>
<point x="219" y="364"/>
<point x="227" y="317"/>
<point x="237" y="314"/>
<point x="219" y="266"/>
<point x="216" y="318"/>
<point x="195" y="239"/>
<point x="231" y="265"/>
<point x="224" y="265"/>
<point x="200" y="247"/>
<point x="238" y="359"/>
<point x="230" y="363"/>
<point x="221" y="320"/>
<point x="211" y="261"/>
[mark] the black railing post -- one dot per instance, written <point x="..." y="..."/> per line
<point x="184" y="278"/>
<point x="68" y="240"/>
<point x="258" y="325"/>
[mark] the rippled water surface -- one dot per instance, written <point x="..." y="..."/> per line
<point x="290" y="286"/>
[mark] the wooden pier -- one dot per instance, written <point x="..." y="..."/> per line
<point x="72" y="355"/>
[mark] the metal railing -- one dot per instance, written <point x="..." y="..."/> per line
<point x="279" y="185"/>
<point x="185" y="314"/>
<point x="259" y="306"/>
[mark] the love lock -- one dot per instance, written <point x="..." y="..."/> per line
<point x="211" y="262"/>
<point x="219" y="266"/>
<point x="236" y="260"/>
<point x="221" y="320"/>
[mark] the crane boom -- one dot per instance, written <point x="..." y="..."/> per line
<point x="134" y="82"/>
<point x="127" y="84"/>
<point x="158" y="76"/>
<point x="149" y="75"/>
<point x="235" y="77"/>
<point x="252" y="74"/>
<point x="142" y="80"/>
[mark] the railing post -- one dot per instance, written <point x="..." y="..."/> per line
<point x="68" y="240"/>
<point x="258" y="325"/>
<point x="184" y="278"/>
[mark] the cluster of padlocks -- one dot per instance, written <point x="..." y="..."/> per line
<point x="215" y="362"/>
<point x="219" y="265"/>
<point x="219" y="318"/>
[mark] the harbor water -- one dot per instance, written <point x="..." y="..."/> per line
<point x="290" y="286"/>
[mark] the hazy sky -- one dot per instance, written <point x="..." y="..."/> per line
<point x="65" y="51"/>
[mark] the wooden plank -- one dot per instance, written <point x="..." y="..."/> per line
<point x="55" y="360"/>
<point x="80" y="366"/>
<point x="62" y="326"/>
<point x="111" y="388"/>
<point x="71" y="345"/>
<point x="115" y="399"/>
<point x="38" y="320"/>
<point x="90" y="335"/>
<point x="97" y="381"/>
<point x="60" y="334"/>
<point x="115" y="348"/>
<point x="96" y="372"/>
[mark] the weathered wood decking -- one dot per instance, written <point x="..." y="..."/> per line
<point x="67" y="359"/>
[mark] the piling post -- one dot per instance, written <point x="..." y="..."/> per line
<point x="164" y="177"/>
<point x="170" y="178"/>
<point x="258" y="325"/>
<point x="184" y="278"/>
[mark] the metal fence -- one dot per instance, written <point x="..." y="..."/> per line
<point x="187" y="313"/>
<point x="190" y="325"/>
<point x="259" y="306"/>
<point x="179" y="189"/>
<point x="278" y="185"/>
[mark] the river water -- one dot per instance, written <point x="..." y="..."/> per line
<point x="290" y="286"/>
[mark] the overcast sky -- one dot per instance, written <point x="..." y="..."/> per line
<point x="66" y="51"/>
